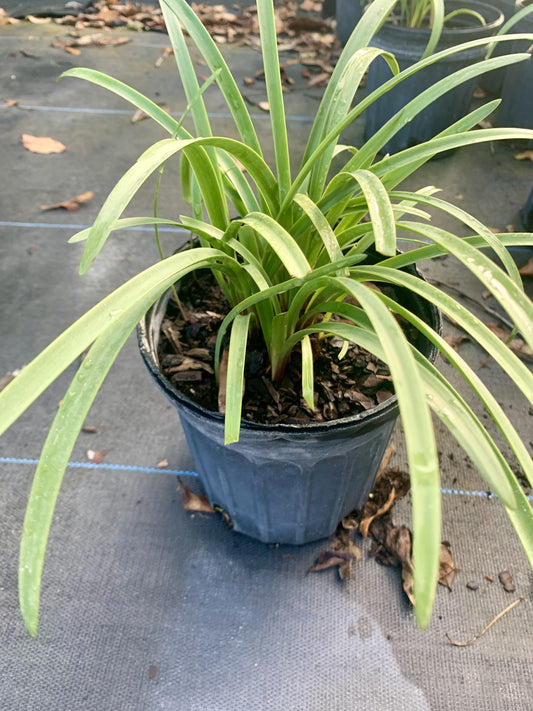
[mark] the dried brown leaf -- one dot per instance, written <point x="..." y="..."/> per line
<point x="96" y="457"/>
<point x="455" y="341"/>
<point x="517" y="345"/>
<point x="11" y="102"/>
<point x="166" y="53"/>
<point x="162" y="464"/>
<point x="73" y="50"/>
<point x="42" y="144"/>
<point x="319" y="79"/>
<point x="364" y="526"/>
<point x="72" y="204"/>
<point x="527" y="269"/>
<point x="38" y="20"/>
<point x="263" y="105"/>
<point x="89" y="429"/>
<point x="525" y="155"/>
<point x="506" y="580"/>
<point x="194" y="502"/>
<point x="223" y="377"/>
<point x="446" y="566"/>
<point x="6" y="379"/>
<point x="249" y="81"/>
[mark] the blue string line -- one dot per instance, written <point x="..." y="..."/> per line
<point x="71" y="226"/>
<point x="93" y="465"/>
<point x="182" y="472"/>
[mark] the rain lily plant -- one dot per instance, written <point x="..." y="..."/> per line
<point x="289" y="250"/>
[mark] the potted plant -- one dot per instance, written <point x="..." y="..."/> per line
<point x="415" y="30"/>
<point x="300" y="259"/>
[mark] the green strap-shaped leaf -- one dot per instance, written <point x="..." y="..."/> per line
<point x="235" y="378"/>
<point x="308" y="388"/>
<point x="53" y="360"/>
<point x="465" y="318"/>
<point x="269" y="49"/>
<point x="128" y="185"/>
<point x="124" y="224"/>
<point x="212" y="56"/>
<point x="281" y="242"/>
<point x="492" y="406"/>
<point x="379" y="208"/>
<point x="322" y="226"/>
<point x="510" y="296"/>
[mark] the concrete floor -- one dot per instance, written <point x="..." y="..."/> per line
<point x="146" y="606"/>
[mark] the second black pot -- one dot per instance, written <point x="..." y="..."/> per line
<point x="408" y="46"/>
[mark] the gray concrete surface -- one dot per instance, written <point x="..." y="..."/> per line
<point x="146" y="606"/>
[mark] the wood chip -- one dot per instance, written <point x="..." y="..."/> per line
<point x="72" y="204"/>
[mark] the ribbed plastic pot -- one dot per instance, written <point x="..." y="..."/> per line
<point x="408" y="45"/>
<point x="283" y="483"/>
<point x="348" y="13"/>
<point x="492" y="82"/>
<point x="516" y="108"/>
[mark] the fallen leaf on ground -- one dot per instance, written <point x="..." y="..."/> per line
<point x="96" y="40"/>
<point x="365" y="523"/>
<point x="527" y="269"/>
<point x="263" y="105"/>
<point x="194" y="502"/>
<point x="166" y="53"/>
<point x="162" y="464"/>
<point x="89" y="429"/>
<point x="73" y="50"/>
<point x="507" y="581"/>
<point x="455" y="341"/>
<point x="11" y="102"/>
<point x="479" y="93"/>
<point x="525" y="155"/>
<point x="38" y="20"/>
<point x="341" y="553"/>
<point x="446" y="566"/>
<point x="72" y="204"/>
<point x="7" y="378"/>
<point x="517" y="345"/>
<point x="96" y="457"/>
<point x="42" y="144"/>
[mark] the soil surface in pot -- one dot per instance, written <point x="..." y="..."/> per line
<point x="343" y="387"/>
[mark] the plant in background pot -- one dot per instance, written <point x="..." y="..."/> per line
<point x="416" y="30"/>
<point x="308" y="262"/>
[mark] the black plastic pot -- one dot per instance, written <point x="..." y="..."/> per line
<point x="492" y="82"/>
<point x="283" y="483"/>
<point x="408" y="45"/>
<point x="526" y="213"/>
<point x="348" y="13"/>
<point x="516" y="108"/>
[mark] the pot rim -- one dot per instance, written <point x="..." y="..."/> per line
<point x="455" y="35"/>
<point x="149" y="354"/>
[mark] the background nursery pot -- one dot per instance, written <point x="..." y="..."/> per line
<point x="516" y="108"/>
<point x="408" y="45"/>
<point x="284" y="483"/>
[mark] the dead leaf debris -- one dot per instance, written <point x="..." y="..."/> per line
<point x="72" y="204"/>
<point x="485" y="629"/>
<point x="194" y="502"/>
<point x="42" y="144"/>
